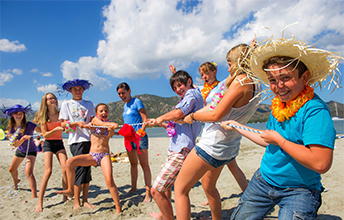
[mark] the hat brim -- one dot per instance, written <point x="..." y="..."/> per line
<point x="76" y="82"/>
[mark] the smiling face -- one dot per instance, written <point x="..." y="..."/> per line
<point x="102" y="112"/>
<point x="124" y="94"/>
<point x="285" y="83"/>
<point x="18" y="116"/>
<point x="51" y="100"/>
<point x="77" y="92"/>
<point x="180" y="88"/>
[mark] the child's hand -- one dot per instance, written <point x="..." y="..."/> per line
<point x="58" y="128"/>
<point x="151" y="122"/>
<point x="80" y="124"/>
<point x="25" y="137"/>
<point x="113" y="126"/>
<point x="88" y="126"/>
<point x="225" y="124"/>
<point x="179" y="121"/>
<point x="188" y="119"/>
<point x="173" y="69"/>
<point x="270" y="136"/>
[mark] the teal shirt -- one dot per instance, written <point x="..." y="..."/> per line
<point x="312" y="124"/>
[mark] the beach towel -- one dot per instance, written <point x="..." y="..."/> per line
<point x="129" y="134"/>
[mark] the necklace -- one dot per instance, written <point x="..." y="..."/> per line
<point x="207" y="88"/>
<point x="282" y="111"/>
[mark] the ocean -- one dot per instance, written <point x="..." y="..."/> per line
<point x="161" y="132"/>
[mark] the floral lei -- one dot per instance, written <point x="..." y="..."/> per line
<point x="13" y="138"/>
<point x="282" y="111"/>
<point x="217" y="97"/>
<point x="207" y="88"/>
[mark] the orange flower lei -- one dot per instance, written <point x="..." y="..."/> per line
<point x="206" y="89"/>
<point x="281" y="111"/>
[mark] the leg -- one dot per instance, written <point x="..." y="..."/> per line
<point x="48" y="166"/>
<point x="146" y="172"/>
<point x="192" y="170"/>
<point x="85" y="202"/>
<point x="255" y="202"/>
<point x="133" y="169"/>
<point x="14" y="170"/>
<point x="163" y="200"/>
<point x="209" y="186"/>
<point x="106" y="166"/>
<point x="30" y="163"/>
<point x="62" y="158"/>
<point x="238" y="174"/>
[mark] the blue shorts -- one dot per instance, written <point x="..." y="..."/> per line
<point x="143" y="143"/>
<point x="209" y="159"/>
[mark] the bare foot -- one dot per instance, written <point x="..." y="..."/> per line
<point x="118" y="210"/>
<point x="88" y="205"/>
<point x="156" y="215"/>
<point x="38" y="208"/>
<point x="205" y="203"/>
<point x="65" y="199"/>
<point x="147" y="198"/>
<point x="68" y="193"/>
<point x="76" y="208"/>
<point x="15" y="187"/>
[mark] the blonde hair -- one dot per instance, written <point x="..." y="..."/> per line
<point x="41" y="116"/>
<point x="207" y="67"/>
<point x="237" y="56"/>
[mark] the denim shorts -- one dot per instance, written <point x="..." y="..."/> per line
<point x="143" y="143"/>
<point x="209" y="159"/>
<point x="260" y="197"/>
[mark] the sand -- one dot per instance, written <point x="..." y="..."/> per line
<point x="22" y="207"/>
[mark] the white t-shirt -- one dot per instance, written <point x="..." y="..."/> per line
<point x="78" y="111"/>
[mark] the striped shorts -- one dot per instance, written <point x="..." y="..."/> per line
<point x="170" y="170"/>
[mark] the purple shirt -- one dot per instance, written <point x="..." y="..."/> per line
<point x="30" y="127"/>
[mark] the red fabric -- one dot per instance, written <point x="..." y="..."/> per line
<point x="129" y="134"/>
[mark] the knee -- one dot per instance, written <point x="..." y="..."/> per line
<point x="48" y="172"/>
<point x="109" y="183"/>
<point x="155" y="193"/>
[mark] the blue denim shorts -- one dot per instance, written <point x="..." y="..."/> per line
<point x="143" y="143"/>
<point x="209" y="159"/>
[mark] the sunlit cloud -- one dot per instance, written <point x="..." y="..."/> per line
<point x="47" y="88"/>
<point x="11" y="47"/>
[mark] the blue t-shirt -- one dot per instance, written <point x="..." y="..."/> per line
<point x="186" y="134"/>
<point x="312" y="124"/>
<point x="131" y="114"/>
<point x="30" y="128"/>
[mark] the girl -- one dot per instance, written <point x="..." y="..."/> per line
<point x="134" y="112"/>
<point x="20" y="136"/>
<point x="206" y="160"/>
<point x="99" y="155"/>
<point x="47" y="116"/>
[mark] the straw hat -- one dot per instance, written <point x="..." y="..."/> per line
<point x="320" y="63"/>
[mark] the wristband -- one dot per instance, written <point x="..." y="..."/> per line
<point x="69" y="128"/>
<point x="191" y="116"/>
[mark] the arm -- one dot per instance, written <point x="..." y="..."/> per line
<point x="170" y="116"/>
<point x="47" y="134"/>
<point x="143" y="114"/>
<point x="17" y="143"/>
<point x="314" y="157"/>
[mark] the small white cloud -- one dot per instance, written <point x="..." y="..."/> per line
<point x="47" y="88"/>
<point x="11" y="47"/>
<point x="5" y="77"/>
<point x="34" y="71"/>
<point x="47" y="74"/>
<point x="17" y="71"/>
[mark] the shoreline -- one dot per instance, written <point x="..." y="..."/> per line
<point x="22" y="207"/>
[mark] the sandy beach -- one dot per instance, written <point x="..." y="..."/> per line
<point x="21" y="207"/>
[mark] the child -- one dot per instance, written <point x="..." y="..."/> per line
<point x="20" y="136"/>
<point x="99" y="154"/>
<point x="217" y="147"/>
<point x="300" y="137"/>
<point x="134" y="113"/>
<point x="47" y="116"/>
<point x="75" y="114"/>
<point x="39" y="143"/>
<point x="180" y="144"/>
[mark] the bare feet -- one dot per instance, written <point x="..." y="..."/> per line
<point x="38" y="208"/>
<point x="147" y="198"/>
<point x="156" y="215"/>
<point x="76" y="208"/>
<point x="118" y="210"/>
<point x="15" y="187"/>
<point x="88" y="205"/>
<point x="68" y="193"/>
<point x="65" y="199"/>
<point x="205" y="203"/>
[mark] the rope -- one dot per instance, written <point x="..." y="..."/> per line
<point x="240" y="127"/>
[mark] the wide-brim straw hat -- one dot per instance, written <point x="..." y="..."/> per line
<point x="320" y="63"/>
<point x="76" y="82"/>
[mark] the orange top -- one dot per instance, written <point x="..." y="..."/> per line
<point x="57" y="135"/>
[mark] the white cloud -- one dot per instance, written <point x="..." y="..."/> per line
<point x="17" y="71"/>
<point x="8" y="103"/>
<point x="5" y="77"/>
<point x="47" y="88"/>
<point x="35" y="70"/>
<point x="47" y="74"/>
<point x="143" y="37"/>
<point x="11" y="47"/>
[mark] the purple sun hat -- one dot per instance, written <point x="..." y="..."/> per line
<point x="76" y="82"/>
<point x="17" y="108"/>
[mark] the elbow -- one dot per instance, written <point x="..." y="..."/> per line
<point x="322" y="168"/>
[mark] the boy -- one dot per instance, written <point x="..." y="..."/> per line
<point x="181" y="142"/>
<point x="76" y="113"/>
<point x="300" y="137"/>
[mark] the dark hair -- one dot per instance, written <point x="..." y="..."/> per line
<point x="180" y="76"/>
<point x="100" y="105"/>
<point x="291" y="62"/>
<point x="123" y="85"/>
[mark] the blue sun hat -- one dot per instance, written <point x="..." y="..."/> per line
<point x="16" y="108"/>
<point x="76" y="82"/>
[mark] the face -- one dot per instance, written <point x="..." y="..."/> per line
<point x="229" y="66"/>
<point x="285" y="83"/>
<point x="103" y="112"/>
<point x="209" y="77"/>
<point x="51" y="100"/>
<point x="77" y="92"/>
<point x="180" y="88"/>
<point x="124" y="94"/>
<point x="18" y="116"/>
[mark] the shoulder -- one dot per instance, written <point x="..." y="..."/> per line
<point x="31" y="125"/>
<point x="316" y="103"/>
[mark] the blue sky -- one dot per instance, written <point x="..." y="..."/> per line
<point x="45" y="43"/>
